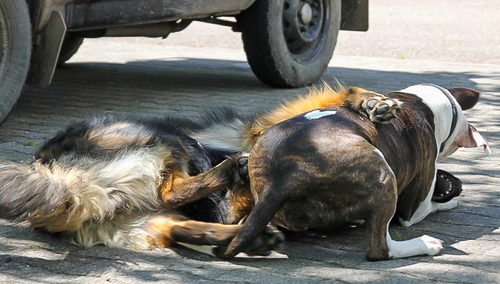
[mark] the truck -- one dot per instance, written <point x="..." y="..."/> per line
<point x="288" y="43"/>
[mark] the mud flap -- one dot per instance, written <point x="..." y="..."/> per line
<point x="46" y="47"/>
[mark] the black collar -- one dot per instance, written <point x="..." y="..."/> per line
<point x="453" y="109"/>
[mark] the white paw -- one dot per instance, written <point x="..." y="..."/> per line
<point x="448" y="205"/>
<point x="434" y="246"/>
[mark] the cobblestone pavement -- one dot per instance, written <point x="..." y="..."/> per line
<point x="107" y="76"/>
<point x="150" y="77"/>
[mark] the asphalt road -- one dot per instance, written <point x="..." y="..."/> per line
<point x="450" y="43"/>
<point x="445" y="30"/>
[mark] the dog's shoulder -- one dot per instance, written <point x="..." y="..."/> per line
<point x="413" y="110"/>
<point x="104" y="135"/>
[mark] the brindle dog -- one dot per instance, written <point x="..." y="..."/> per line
<point x="330" y="166"/>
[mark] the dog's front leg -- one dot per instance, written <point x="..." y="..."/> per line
<point x="427" y="207"/>
<point x="384" y="247"/>
<point x="181" y="189"/>
<point x="424" y="245"/>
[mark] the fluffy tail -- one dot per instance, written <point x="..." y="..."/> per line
<point x="223" y="131"/>
<point x="61" y="198"/>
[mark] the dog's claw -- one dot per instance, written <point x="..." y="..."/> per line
<point x="388" y="116"/>
<point x="383" y="109"/>
<point x="243" y="161"/>
<point x="243" y="167"/>
<point x="379" y="108"/>
<point x="371" y="104"/>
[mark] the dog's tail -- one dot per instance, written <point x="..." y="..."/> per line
<point x="62" y="196"/>
<point x="224" y="131"/>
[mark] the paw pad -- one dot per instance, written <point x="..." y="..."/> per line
<point x="379" y="108"/>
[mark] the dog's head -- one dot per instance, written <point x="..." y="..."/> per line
<point x="452" y="129"/>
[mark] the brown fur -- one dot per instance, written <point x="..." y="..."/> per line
<point x="317" y="98"/>
<point x="180" y="189"/>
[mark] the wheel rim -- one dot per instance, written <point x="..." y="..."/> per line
<point x="305" y="25"/>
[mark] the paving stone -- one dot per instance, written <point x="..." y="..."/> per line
<point x="168" y="80"/>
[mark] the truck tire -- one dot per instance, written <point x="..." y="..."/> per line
<point x="289" y="43"/>
<point x="69" y="47"/>
<point x="15" y="51"/>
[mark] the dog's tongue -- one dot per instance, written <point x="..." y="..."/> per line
<point x="481" y="141"/>
<point x="475" y="139"/>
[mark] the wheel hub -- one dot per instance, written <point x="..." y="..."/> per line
<point x="306" y="14"/>
<point x="302" y="23"/>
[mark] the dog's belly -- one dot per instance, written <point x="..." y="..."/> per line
<point x="300" y="215"/>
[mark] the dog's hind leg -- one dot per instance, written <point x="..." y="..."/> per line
<point x="164" y="230"/>
<point x="269" y="203"/>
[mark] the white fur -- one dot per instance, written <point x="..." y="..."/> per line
<point x="316" y="114"/>
<point x="119" y="232"/>
<point x="203" y="249"/>
<point x="225" y="136"/>
<point x="133" y="176"/>
<point x="378" y="152"/>
<point x="427" y="207"/>
<point x="443" y="115"/>
<point x="423" y="245"/>
<point x="440" y="106"/>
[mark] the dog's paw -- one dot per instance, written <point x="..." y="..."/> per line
<point x="448" y="205"/>
<point x="379" y="108"/>
<point x="270" y="239"/>
<point x="434" y="246"/>
<point x="267" y="241"/>
<point x="241" y="171"/>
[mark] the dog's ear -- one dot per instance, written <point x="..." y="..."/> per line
<point x="474" y="139"/>
<point x="466" y="98"/>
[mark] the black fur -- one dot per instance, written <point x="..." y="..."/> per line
<point x="169" y="131"/>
